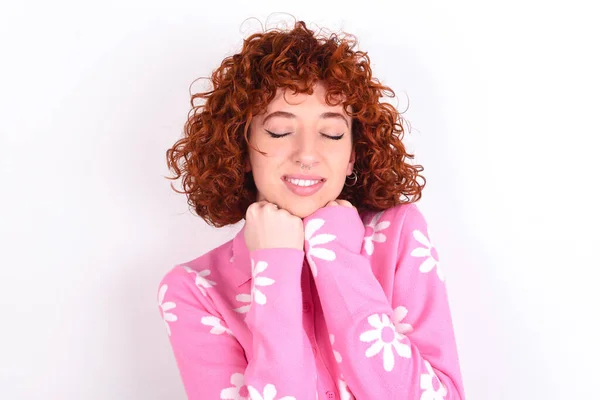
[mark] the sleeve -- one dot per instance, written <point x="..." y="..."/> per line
<point x="402" y="350"/>
<point x="211" y="361"/>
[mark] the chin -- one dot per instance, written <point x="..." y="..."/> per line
<point x="303" y="211"/>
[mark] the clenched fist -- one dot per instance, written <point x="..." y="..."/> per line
<point x="339" y="202"/>
<point x="268" y="226"/>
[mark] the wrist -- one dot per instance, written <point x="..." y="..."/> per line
<point x="342" y="225"/>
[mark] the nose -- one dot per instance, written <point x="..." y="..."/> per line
<point x="306" y="152"/>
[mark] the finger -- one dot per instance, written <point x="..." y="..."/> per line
<point x="271" y="206"/>
<point x="265" y="203"/>
<point x="332" y="203"/>
<point x="257" y="205"/>
<point x="345" y="203"/>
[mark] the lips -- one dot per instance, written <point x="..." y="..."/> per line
<point x="301" y="187"/>
<point x="304" y="177"/>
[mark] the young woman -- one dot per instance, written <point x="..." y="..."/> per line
<point x="332" y="288"/>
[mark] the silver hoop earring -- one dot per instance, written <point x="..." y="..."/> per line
<point x="353" y="177"/>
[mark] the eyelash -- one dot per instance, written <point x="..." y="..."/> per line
<point x="276" y="136"/>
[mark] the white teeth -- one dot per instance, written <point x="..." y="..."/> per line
<point x="302" y="182"/>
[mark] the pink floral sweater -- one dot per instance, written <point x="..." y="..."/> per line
<point x="361" y="313"/>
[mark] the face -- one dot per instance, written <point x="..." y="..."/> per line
<point x="295" y="131"/>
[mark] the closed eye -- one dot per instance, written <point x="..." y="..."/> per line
<point x="338" y="137"/>
<point x="277" y="135"/>
<point x="280" y="135"/>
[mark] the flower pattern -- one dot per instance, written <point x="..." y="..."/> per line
<point x="373" y="232"/>
<point x="345" y="393"/>
<point x="217" y="328"/>
<point x="258" y="296"/>
<point x="319" y="252"/>
<point x="428" y="252"/>
<point x="238" y="391"/>
<point x="384" y="337"/>
<point x="399" y="314"/>
<point x="243" y="298"/>
<point x="336" y="354"/>
<point x="269" y="393"/>
<point x="428" y="383"/>
<point x="201" y="282"/>
<point x="164" y="307"/>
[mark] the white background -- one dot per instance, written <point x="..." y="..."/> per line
<point x="503" y="104"/>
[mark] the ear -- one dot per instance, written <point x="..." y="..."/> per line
<point x="351" y="163"/>
<point x="247" y="165"/>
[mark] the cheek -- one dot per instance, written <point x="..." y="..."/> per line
<point x="343" y="165"/>
<point x="265" y="167"/>
<point x="273" y="158"/>
<point x="276" y="148"/>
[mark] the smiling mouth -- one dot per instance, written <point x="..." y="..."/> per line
<point x="303" y="182"/>
<point x="304" y="186"/>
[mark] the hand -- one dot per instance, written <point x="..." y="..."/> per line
<point x="339" y="202"/>
<point x="268" y="227"/>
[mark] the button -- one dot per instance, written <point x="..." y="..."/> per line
<point x="306" y="307"/>
<point x="330" y="394"/>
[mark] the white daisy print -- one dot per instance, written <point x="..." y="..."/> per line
<point x="373" y="232"/>
<point x="399" y="314"/>
<point x="201" y="282"/>
<point x="255" y="293"/>
<point x="269" y="393"/>
<point x="217" y="328"/>
<point x="164" y="307"/>
<point x="238" y="391"/>
<point x="345" y="393"/>
<point x="243" y="298"/>
<point x="385" y="338"/>
<point x="430" y="383"/>
<point x="325" y="254"/>
<point x="337" y="355"/>
<point x="428" y="252"/>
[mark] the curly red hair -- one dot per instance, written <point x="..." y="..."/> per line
<point x="212" y="153"/>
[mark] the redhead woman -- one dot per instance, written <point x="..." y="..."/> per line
<point x="332" y="288"/>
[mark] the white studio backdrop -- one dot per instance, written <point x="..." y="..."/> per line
<point x="502" y="102"/>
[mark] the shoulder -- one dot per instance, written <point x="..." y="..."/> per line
<point x="401" y="219"/>
<point x="196" y="279"/>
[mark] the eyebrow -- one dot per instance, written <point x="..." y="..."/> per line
<point x="286" y="114"/>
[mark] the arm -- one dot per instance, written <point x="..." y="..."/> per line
<point x="211" y="361"/>
<point x="403" y="348"/>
